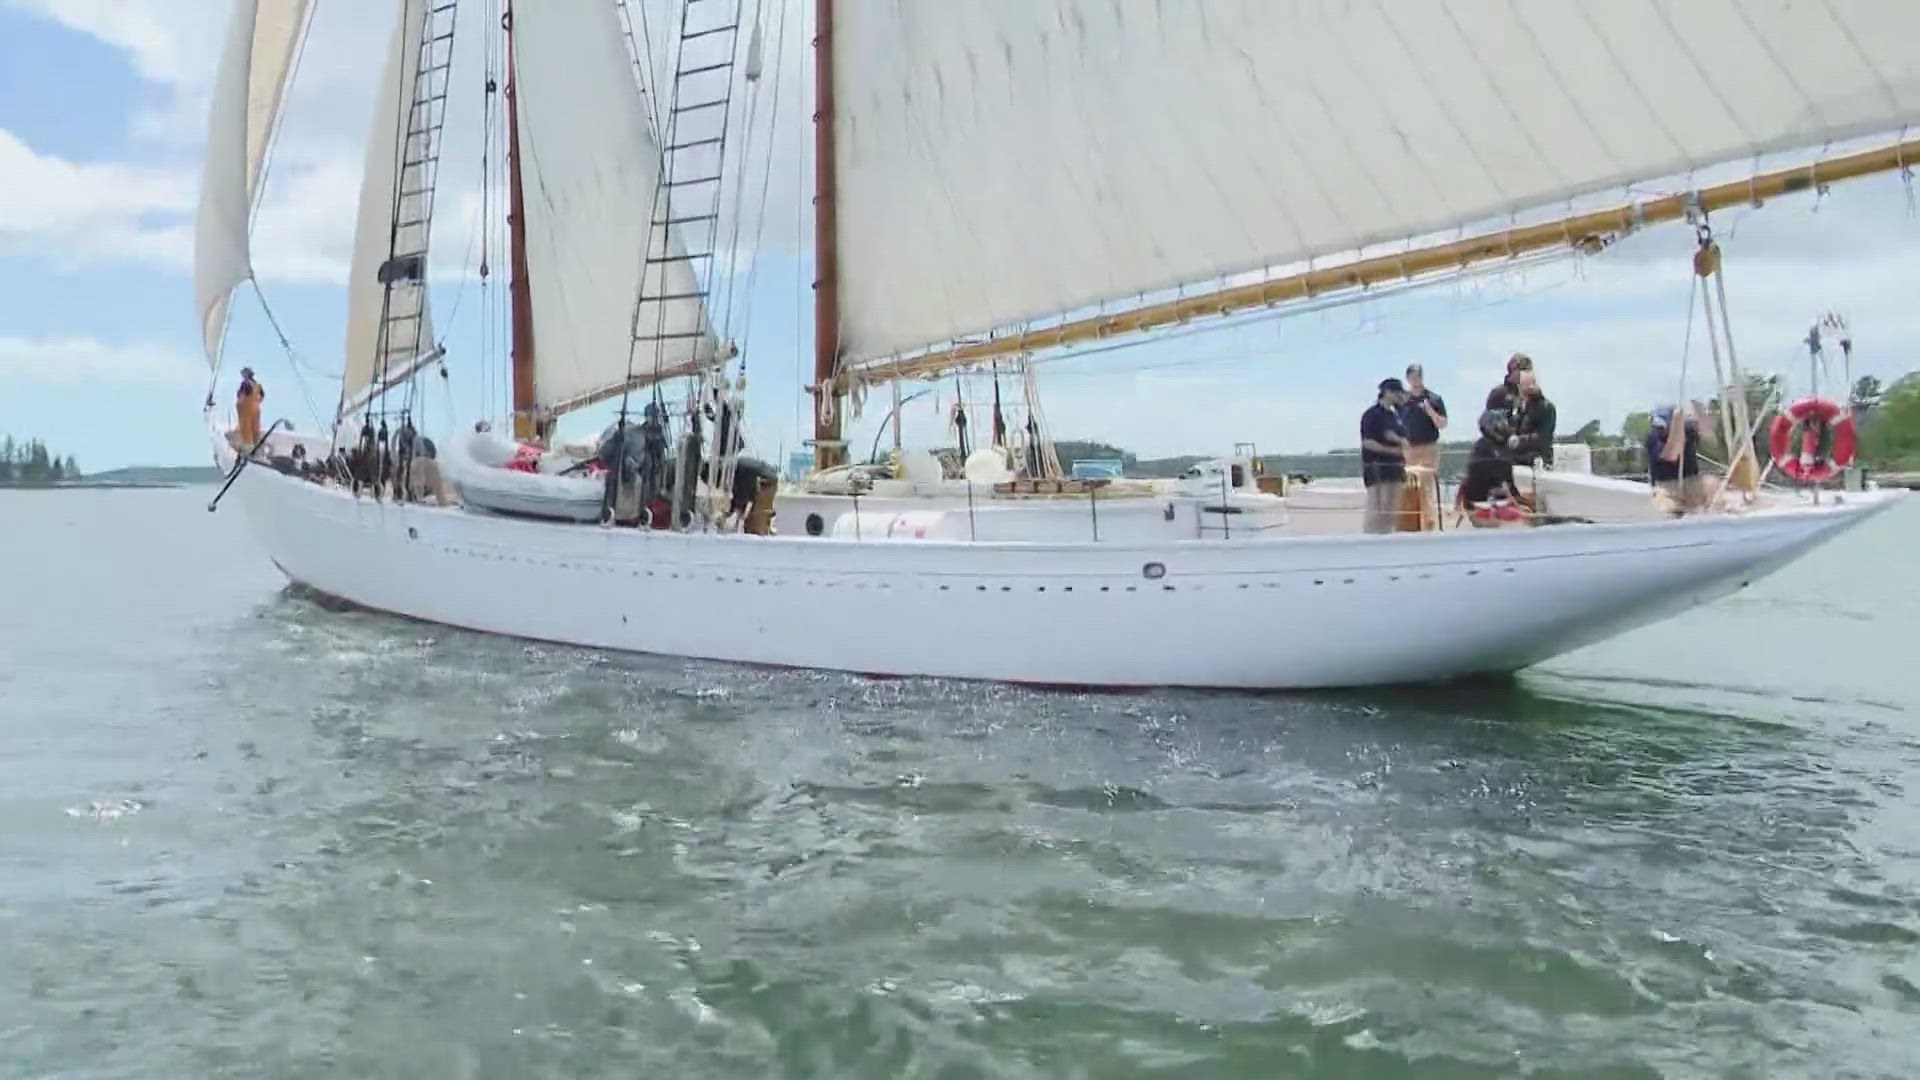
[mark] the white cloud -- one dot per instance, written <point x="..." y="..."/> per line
<point x="174" y="45"/>
<point x="171" y="44"/>
<point x="73" y="212"/>
<point x="163" y="38"/>
<point x="80" y="361"/>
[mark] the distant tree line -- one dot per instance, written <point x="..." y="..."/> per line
<point x="28" y="463"/>
<point x="1889" y="421"/>
<point x="1887" y="417"/>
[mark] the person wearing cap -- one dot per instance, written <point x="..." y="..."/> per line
<point x="1673" y="459"/>
<point x="1424" y="416"/>
<point x="246" y="408"/>
<point x="1488" y="491"/>
<point x="1383" y="444"/>
<point x="1504" y="396"/>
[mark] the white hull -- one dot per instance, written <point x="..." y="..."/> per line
<point x="1252" y="613"/>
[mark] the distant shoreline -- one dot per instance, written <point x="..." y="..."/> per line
<point x="155" y="476"/>
<point x="92" y="485"/>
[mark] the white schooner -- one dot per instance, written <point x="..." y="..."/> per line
<point x="994" y="180"/>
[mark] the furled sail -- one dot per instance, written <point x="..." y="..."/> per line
<point x="1004" y="161"/>
<point x="590" y="171"/>
<point x="389" y="325"/>
<point x="262" y="41"/>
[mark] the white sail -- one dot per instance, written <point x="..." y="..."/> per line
<point x="589" y="171"/>
<point x="387" y="326"/>
<point x="1002" y="161"/>
<point x="262" y="39"/>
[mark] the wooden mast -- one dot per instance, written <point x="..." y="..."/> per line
<point x="1583" y="231"/>
<point x="829" y="449"/>
<point x="519" y="293"/>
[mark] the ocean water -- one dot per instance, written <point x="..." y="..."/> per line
<point x="243" y="835"/>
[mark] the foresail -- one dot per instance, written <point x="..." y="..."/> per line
<point x="255" y="64"/>
<point x="389" y="325"/>
<point x="591" y="172"/>
<point x="1003" y="161"/>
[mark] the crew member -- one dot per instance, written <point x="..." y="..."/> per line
<point x="1424" y="417"/>
<point x="1383" y="456"/>
<point x="247" y="409"/>
<point x="1489" y="478"/>
<point x="1673" y="459"/>
<point x="1502" y="397"/>
<point x="1534" y="418"/>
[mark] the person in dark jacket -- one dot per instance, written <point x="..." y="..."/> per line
<point x="1502" y="397"/>
<point x="1675" y="469"/>
<point x="1489" y="478"/>
<point x="1423" y="416"/>
<point x="1383" y="453"/>
<point x="1533" y="421"/>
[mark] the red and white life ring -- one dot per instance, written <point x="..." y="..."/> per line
<point x="1813" y="440"/>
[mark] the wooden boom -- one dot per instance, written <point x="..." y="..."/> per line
<point x="1589" y="231"/>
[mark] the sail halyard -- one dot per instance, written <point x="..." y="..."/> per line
<point x="1585" y="232"/>
<point x="262" y="51"/>
<point x="1005" y="162"/>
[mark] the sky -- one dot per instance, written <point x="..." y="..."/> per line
<point x="103" y="108"/>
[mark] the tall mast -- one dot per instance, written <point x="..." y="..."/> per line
<point x="828" y="447"/>
<point x="519" y="292"/>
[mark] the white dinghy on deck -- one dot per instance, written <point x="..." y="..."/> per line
<point x="480" y="468"/>
<point x="1117" y="170"/>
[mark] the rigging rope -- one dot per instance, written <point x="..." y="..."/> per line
<point x="293" y="357"/>
<point x="1686" y="341"/>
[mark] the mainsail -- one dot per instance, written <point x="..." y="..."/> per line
<point x="262" y="41"/>
<point x="1005" y="161"/>
<point x="591" y="171"/>
<point x="389" y="325"/>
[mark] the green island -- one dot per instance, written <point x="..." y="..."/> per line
<point x="30" y="463"/>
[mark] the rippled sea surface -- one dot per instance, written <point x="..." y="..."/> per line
<point x="242" y="834"/>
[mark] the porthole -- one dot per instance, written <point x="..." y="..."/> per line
<point x="1154" y="571"/>
<point x="815" y="525"/>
